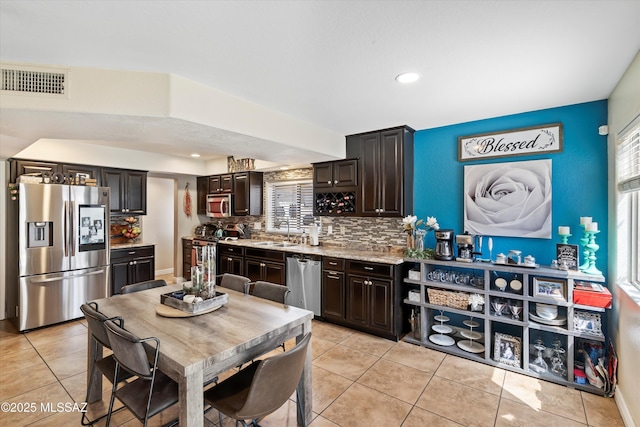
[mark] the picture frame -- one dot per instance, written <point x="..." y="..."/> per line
<point x="543" y="139"/>
<point x="587" y="323"/>
<point x="511" y="199"/>
<point x="507" y="349"/>
<point x="555" y="289"/>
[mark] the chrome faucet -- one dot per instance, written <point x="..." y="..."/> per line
<point x="287" y="222"/>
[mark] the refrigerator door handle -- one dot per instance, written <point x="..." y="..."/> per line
<point x="59" y="279"/>
<point x="66" y="228"/>
<point x="72" y="235"/>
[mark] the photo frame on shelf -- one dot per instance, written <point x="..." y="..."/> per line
<point x="507" y="349"/>
<point x="550" y="288"/>
<point x="588" y="323"/>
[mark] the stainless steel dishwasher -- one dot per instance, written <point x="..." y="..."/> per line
<point x="304" y="276"/>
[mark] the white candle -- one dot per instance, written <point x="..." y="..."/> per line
<point x="592" y="226"/>
<point x="564" y="230"/>
<point x="585" y="220"/>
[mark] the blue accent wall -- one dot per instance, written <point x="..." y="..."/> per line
<point x="579" y="176"/>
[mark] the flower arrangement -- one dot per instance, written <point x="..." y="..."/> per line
<point x="410" y="225"/>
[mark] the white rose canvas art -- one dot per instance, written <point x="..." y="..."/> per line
<point x="508" y="199"/>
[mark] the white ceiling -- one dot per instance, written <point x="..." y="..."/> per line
<point x="333" y="63"/>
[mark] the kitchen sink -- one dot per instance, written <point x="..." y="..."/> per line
<point x="277" y="244"/>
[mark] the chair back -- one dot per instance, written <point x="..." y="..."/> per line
<point x="95" y="322"/>
<point x="130" y="352"/>
<point x="142" y="286"/>
<point x="271" y="291"/>
<point x="235" y="282"/>
<point x="284" y="370"/>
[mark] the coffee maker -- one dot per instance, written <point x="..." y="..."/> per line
<point x="465" y="247"/>
<point x="444" y="245"/>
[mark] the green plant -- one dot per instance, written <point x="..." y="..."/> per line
<point x="419" y="253"/>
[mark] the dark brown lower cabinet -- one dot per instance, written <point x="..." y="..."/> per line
<point x="267" y="271"/>
<point x="230" y="260"/>
<point x="333" y="294"/>
<point x="131" y="265"/>
<point x="363" y="295"/>
<point x="369" y="302"/>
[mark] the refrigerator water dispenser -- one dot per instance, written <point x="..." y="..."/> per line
<point x="40" y="234"/>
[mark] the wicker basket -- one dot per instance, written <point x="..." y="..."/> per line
<point x="459" y="300"/>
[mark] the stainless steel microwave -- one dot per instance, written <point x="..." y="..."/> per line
<point x="218" y="205"/>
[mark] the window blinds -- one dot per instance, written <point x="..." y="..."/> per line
<point x="628" y="161"/>
<point x="290" y="206"/>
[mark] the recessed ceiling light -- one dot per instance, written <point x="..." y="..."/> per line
<point x="407" y="77"/>
<point x="284" y="168"/>
<point x="195" y="155"/>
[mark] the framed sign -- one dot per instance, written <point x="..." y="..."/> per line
<point x="567" y="256"/>
<point x="549" y="288"/>
<point x="518" y="142"/>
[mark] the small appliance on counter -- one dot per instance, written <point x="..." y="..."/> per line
<point x="466" y="248"/>
<point x="444" y="245"/>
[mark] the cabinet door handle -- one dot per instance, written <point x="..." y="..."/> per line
<point x="329" y="182"/>
<point x="333" y="263"/>
<point x="132" y="253"/>
<point x="335" y="182"/>
<point x="332" y="277"/>
<point x="369" y="268"/>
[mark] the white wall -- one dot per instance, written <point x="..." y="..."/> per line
<point x="158" y="226"/>
<point x="624" y="107"/>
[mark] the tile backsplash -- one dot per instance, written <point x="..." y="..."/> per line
<point x="375" y="234"/>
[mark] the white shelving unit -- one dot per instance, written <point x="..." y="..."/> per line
<point x="524" y="328"/>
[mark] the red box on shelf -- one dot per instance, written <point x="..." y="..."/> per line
<point x="591" y="294"/>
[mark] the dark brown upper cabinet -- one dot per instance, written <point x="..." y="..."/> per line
<point x="336" y="174"/>
<point x="128" y="190"/>
<point x="221" y="183"/>
<point x="247" y="193"/>
<point x="386" y="171"/>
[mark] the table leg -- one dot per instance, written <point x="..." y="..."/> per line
<point x="304" y="411"/>
<point x="95" y="353"/>
<point x="191" y="399"/>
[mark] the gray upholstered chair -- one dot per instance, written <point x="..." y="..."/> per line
<point x="106" y="365"/>
<point x="141" y="286"/>
<point x="271" y="291"/>
<point x="250" y="394"/>
<point x="233" y="281"/>
<point x="152" y="391"/>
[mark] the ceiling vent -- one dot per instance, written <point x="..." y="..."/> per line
<point x="34" y="81"/>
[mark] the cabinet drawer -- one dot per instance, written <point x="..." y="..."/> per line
<point x="230" y="250"/>
<point x="367" y="268"/>
<point x="265" y="254"/>
<point x="335" y="264"/>
<point x="137" y="252"/>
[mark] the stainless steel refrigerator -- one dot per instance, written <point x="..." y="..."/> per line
<point x="62" y="252"/>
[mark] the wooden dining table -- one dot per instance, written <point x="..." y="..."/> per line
<point x="194" y="350"/>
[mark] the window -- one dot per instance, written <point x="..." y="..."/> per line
<point x="628" y="203"/>
<point x="290" y="205"/>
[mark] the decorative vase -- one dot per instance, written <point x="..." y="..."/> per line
<point x="410" y="241"/>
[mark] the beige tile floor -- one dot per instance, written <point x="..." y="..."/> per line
<point x="358" y="380"/>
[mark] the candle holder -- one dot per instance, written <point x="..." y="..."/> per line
<point x="564" y="238"/>
<point x="592" y="248"/>
<point x="585" y="251"/>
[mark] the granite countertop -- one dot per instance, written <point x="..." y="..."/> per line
<point x="382" y="256"/>
<point x="129" y="245"/>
